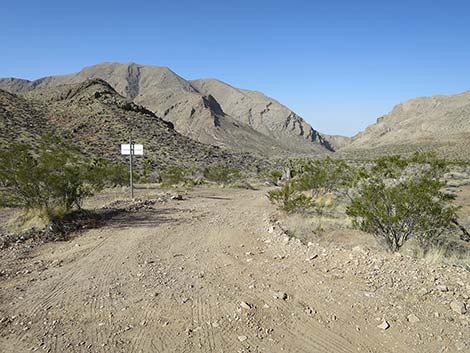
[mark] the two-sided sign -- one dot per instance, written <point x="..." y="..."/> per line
<point x="138" y="149"/>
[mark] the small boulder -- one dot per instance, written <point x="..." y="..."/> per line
<point x="458" y="307"/>
<point x="245" y="305"/>
<point x="384" y="325"/>
<point x="280" y="295"/>
<point x="412" y="318"/>
<point x="311" y="258"/>
<point x="442" y="288"/>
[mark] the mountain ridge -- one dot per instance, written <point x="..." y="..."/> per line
<point x="263" y="125"/>
<point x="95" y="118"/>
<point x="438" y="123"/>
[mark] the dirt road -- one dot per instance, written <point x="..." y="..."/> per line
<point x="207" y="274"/>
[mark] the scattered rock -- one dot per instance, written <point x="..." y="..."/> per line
<point x="442" y="288"/>
<point x="384" y="325"/>
<point x="412" y="318"/>
<point x="280" y="295"/>
<point x="458" y="307"/>
<point x="313" y="257"/>
<point x="245" y="305"/>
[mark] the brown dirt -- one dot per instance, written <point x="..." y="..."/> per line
<point x="173" y="279"/>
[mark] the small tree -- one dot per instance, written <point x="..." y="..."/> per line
<point x="396" y="204"/>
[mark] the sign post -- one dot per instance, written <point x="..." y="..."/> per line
<point x="132" y="149"/>
<point x="131" y="167"/>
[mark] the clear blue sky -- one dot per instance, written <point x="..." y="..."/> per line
<point x="339" y="64"/>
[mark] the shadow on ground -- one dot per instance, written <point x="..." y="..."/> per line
<point x="117" y="218"/>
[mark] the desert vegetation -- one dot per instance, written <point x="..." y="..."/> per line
<point x="394" y="198"/>
<point x="222" y="174"/>
<point x="53" y="177"/>
<point x="307" y="180"/>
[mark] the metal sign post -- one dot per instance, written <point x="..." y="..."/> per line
<point x="131" y="150"/>
<point x="131" y="167"/>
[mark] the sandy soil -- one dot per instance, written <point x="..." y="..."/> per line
<point x="215" y="273"/>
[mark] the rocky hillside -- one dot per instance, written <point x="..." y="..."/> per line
<point x="20" y="120"/>
<point x="337" y="142"/>
<point x="96" y="118"/>
<point x="262" y="113"/>
<point x="208" y="111"/>
<point x="440" y="123"/>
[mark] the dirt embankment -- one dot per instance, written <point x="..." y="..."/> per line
<point x="215" y="273"/>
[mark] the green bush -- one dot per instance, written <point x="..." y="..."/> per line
<point x="402" y="198"/>
<point x="394" y="198"/>
<point x="315" y="178"/>
<point x="322" y="176"/>
<point x="221" y="174"/>
<point x="175" y="174"/>
<point x="53" y="176"/>
<point x="147" y="167"/>
<point x="272" y="176"/>
<point x="288" y="199"/>
<point x="102" y="172"/>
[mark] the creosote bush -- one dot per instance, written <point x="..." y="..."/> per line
<point x="394" y="198"/>
<point x="272" y="176"/>
<point x="289" y="200"/>
<point x="54" y="177"/>
<point x="311" y="179"/>
<point x="322" y="176"/>
<point x="414" y="207"/>
<point x="402" y="198"/>
<point x="175" y="174"/>
<point x="223" y="174"/>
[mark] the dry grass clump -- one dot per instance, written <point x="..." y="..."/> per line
<point x="37" y="218"/>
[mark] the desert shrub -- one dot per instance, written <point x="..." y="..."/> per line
<point x="147" y="167"/>
<point x="101" y="172"/>
<point x="323" y="176"/>
<point x="53" y="176"/>
<point x="288" y="199"/>
<point x="309" y="180"/>
<point x="393" y="197"/>
<point x="402" y="198"/>
<point x="220" y="173"/>
<point x="272" y="176"/>
<point x="175" y="174"/>
<point x="114" y="174"/>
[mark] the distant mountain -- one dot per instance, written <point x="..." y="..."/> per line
<point x="209" y="111"/>
<point x="438" y="123"/>
<point x="93" y="116"/>
<point x="337" y="142"/>
<point x="263" y="114"/>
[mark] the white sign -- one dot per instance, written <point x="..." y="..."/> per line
<point x="138" y="149"/>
